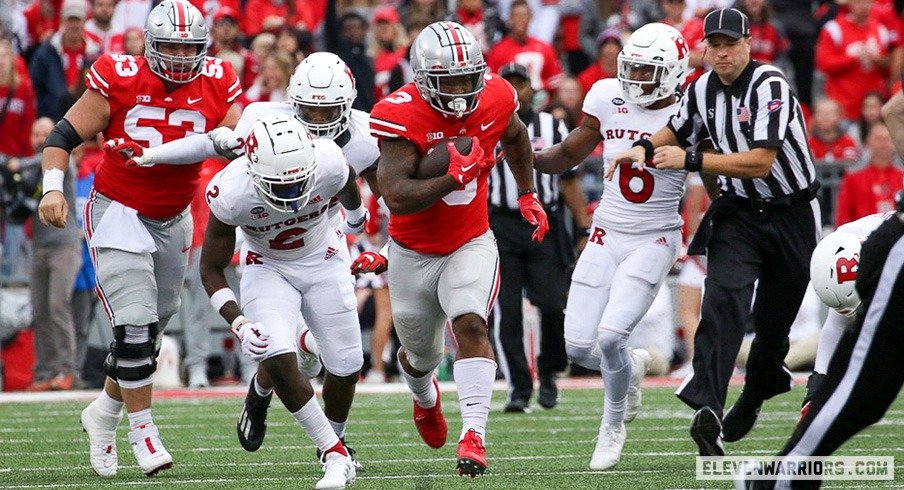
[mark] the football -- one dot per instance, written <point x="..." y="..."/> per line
<point x="436" y="161"/>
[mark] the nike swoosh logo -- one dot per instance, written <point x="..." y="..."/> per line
<point x="186" y="249"/>
<point x="471" y="404"/>
<point x="192" y="101"/>
<point x="483" y="127"/>
<point x="469" y="167"/>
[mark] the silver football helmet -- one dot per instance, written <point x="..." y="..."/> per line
<point x="322" y="90"/>
<point x="448" y="68"/>
<point x="282" y="162"/>
<point x="653" y="64"/>
<point x="176" y="22"/>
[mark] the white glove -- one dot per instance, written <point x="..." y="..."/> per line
<point x="255" y="339"/>
<point x="224" y="138"/>
<point x="358" y="220"/>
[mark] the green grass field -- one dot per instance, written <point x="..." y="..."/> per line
<point x="42" y="445"/>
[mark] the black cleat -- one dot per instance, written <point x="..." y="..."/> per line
<point x="517" y="405"/>
<point x="740" y="417"/>
<point x="359" y="468"/>
<point x="813" y="383"/>
<point x="252" y="424"/>
<point x="706" y="431"/>
<point x="548" y="394"/>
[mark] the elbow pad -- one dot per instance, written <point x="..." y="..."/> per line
<point x="63" y="136"/>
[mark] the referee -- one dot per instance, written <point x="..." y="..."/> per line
<point x="764" y="226"/>
<point x="540" y="268"/>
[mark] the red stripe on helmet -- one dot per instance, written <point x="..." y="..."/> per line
<point x="181" y="16"/>
<point x="456" y="41"/>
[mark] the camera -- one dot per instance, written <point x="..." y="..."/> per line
<point x="19" y="192"/>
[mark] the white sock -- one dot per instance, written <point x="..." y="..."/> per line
<point x="474" y="378"/>
<point x="140" y="418"/>
<point x="261" y="391"/>
<point x="832" y="331"/>
<point x="309" y="343"/>
<point x="339" y="428"/>
<point x="422" y="389"/>
<point x="107" y="404"/>
<point x="614" y="412"/>
<point x="615" y="366"/>
<point x="315" y="424"/>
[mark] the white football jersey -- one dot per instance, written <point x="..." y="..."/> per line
<point x="634" y="201"/>
<point x="234" y="200"/>
<point x="865" y="225"/>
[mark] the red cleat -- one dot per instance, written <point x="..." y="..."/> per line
<point x="472" y="456"/>
<point x="430" y="422"/>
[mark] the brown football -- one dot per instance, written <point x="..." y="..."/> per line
<point x="436" y="161"/>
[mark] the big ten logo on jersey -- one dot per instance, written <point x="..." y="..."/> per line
<point x="619" y="110"/>
<point x="259" y="212"/>
<point x="435" y="136"/>
<point x="631" y="134"/>
<point x="846" y="269"/>
<point x="142" y="99"/>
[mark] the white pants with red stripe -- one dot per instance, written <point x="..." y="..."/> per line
<point x="425" y="290"/>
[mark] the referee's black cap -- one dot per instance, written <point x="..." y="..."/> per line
<point x="728" y="22"/>
<point x="514" y="69"/>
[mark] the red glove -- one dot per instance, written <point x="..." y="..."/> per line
<point x="533" y="212"/>
<point x="465" y="168"/>
<point x="370" y="262"/>
<point x="129" y="150"/>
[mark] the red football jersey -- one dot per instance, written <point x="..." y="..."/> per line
<point x="462" y="214"/>
<point x="142" y="110"/>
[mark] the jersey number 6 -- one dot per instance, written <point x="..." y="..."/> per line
<point x="627" y="173"/>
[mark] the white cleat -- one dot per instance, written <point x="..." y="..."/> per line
<point x="338" y="471"/>
<point x="608" y="450"/>
<point x="308" y="355"/>
<point x="152" y="457"/>
<point x="641" y="364"/>
<point x="101" y="430"/>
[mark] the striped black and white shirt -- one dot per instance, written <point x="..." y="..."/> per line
<point x="758" y="110"/>
<point x="544" y="131"/>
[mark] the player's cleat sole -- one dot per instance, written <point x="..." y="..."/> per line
<point x="706" y="431"/>
<point x="470" y="467"/>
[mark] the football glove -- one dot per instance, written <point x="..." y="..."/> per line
<point x="255" y="339"/>
<point x="370" y="262"/>
<point x="533" y="212"/>
<point x="465" y="168"/>
<point x="131" y="152"/>
<point x="224" y="139"/>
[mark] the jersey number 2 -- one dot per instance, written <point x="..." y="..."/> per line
<point x="288" y="239"/>
<point x="627" y="173"/>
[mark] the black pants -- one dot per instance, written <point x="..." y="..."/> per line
<point x="867" y="369"/>
<point x="774" y="246"/>
<point x="540" y="269"/>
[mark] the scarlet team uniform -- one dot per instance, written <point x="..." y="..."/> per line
<point x="449" y="244"/>
<point x="292" y="261"/>
<point x="136" y="219"/>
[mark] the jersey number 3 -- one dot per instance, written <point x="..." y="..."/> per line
<point x="627" y="173"/>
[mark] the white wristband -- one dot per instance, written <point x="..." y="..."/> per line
<point x="53" y="180"/>
<point x="221" y="297"/>
<point x="385" y="250"/>
<point x="239" y="320"/>
<point x="355" y="215"/>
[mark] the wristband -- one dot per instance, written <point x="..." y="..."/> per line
<point x="529" y="190"/>
<point x="647" y="148"/>
<point x="52" y="181"/>
<point x="693" y="161"/>
<point x="221" y="297"/>
<point x="356" y="215"/>
<point x="239" y="321"/>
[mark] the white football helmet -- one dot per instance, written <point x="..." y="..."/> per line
<point x="281" y="162"/>
<point x="655" y="56"/>
<point x="445" y="53"/>
<point x="833" y="271"/>
<point x="323" y="80"/>
<point x="176" y="21"/>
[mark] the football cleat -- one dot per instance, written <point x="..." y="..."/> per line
<point x="252" y="424"/>
<point x="609" y="445"/>
<point x="472" y="456"/>
<point x="308" y="356"/>
<point x="548" y="394"/>
<point x="430" y="422"/>
<point x="101" y="430"/>
<point x="359" y="468"/>
<point x="641" y="364"/>
<point x="740" y="417"/>
<point x="152" y="457"/>
<point x="706" y="431"/>
<point x="338" y="471"/>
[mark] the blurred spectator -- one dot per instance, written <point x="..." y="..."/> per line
<point x="273" y="81"/>
<point x="483" y="21"/>
<point x="346" y="36"/>
<point x="133" y="41"/>
<point x="262" y="46"/>
<point x="390" y="48"/>
<point x="17" y="105"/>
<point x="14" y="26"/>
<point x="570" y="97"/>
<point x="872" y="189"/>
<point x="581" y="24"/>
<point x="673" y="13"/>
<point x="796" y="20"/>
<point x="609" y="44"/>
<point x="429" y="10"/>
<point x="56" y="66"/>
<point x="692" y="32"/>
<point x="99" y="27"/>
<point x="870" y="113"/>
<point x="766" y="42"/>
<point x="546" y="21"/>
<point x="890" y="14"/>
<point x="224" y="39"/>
<point x="84" y="298"/>
<point x="295" y="43"/>
<point x="271" y="15"/>
<point x="57" y="260"/>
<point x="43" y="20"/>
<point x="828" y="142"/>
<point x="540" y="59"/>
<point x="853" y="54"/>
<point x="131" y="13"/>
<point x="638" y="13"/>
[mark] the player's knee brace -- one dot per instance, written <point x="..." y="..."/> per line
<point x="581" y="355"/>
<point x="133" y="357"/>
<point x="614" y="349"/>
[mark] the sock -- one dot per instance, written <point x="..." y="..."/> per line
<point x="474" y="378"/>
<point x="422" y="389"/>
<point x="261" y="391"/>
<point x="315" y="424"/>
<point x="339" y="428"/>
<point x="107" y="404"/>
<point x="616" y="369"/>
<point x="140" y="418"/>
<point x="309" y="343"/>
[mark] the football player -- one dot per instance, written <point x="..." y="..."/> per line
<point x="439" y="227"/>
<point x="136" y="220"/>
<point x="636" y="232"/>
<point x="279" y="194"/>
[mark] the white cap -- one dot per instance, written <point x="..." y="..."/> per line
<point x="74" y="8"/>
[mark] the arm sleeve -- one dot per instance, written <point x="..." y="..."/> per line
<point x="185" y="151"/>
<point x="771" y="105"/>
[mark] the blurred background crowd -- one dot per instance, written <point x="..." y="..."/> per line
<point x="843" y="57"/>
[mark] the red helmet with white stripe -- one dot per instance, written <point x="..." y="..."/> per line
<point x="448" y="68"/>
<point x="176" y="22"/>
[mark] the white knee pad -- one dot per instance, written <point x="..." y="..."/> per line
<point x="582" y="355"/>
<point x="614" y="347"/>
<point x="343" y="363"/>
